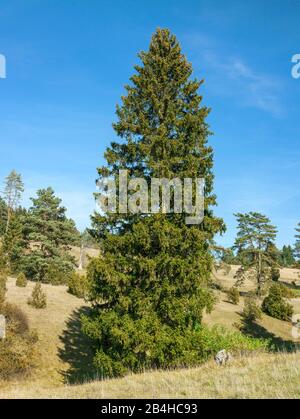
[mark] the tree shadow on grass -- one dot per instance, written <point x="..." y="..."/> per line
<point x="277" y="343"/>
<point x="77" y="350"/>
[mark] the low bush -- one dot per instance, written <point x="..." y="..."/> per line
<point x="78" y="285"/>
<point x="287" y="292"/>
<point x="56" y="275"/>
<point x="21" y="280"/>
<point x="17" y="350"/>
<point x="3" y="279"/>
<point x="252" y="311"/>
<point x="217" y="338"/>
<point x="275" y="306"/>
<point x="172" y="350"/>
<point x="38" y="297"/>
<point x="233" y="295"/>
<point x="275" y="274"/>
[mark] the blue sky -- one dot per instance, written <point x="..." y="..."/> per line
<point x="67" y="63"/>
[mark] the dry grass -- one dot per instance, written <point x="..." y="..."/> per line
<point x="264" y="376"/>
<point x="58" y="330"/>
<point x="64" y="356"/>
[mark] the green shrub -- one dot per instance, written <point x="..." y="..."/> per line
<point x="21" y="280"/>
<point x="171" y="350"/>
<point x="38" y="297"/>
<point x="17" y="350"/>
<point x="56" y="274"/>
<point x="275" y="274"/>
<point x="287" y="292"/>
<point x="233" y="295"/>
<point x="3" y="279"/>
<point x="78" y="285"/>
<point x="275" y="306"/>
<point x="252" y="311"/>
<point x="218" y="337"/>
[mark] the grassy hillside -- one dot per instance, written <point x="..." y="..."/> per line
<point x="64" y="359"/>
<point x="263" y="376"/>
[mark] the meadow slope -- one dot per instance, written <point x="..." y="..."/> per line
<point x="64" y="362"/>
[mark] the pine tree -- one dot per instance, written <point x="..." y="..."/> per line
<point x="256" y="248"/>
<point x="21" y="280"/>
<point x="13" y="190"/>
<point x="149" y="287"/>
<point x="49" y="235"/>
<point x="3" y="217"/>
<point x="14" y="245"/>
<point x="38" y="298"/>
<point x="287" y="256"/>
<point x="297" y="245"/>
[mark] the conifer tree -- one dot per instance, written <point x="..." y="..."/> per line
<point x="13" y="190"/>
<point x="150" y="285"/>
<point x="287" y="256"/>
<point x="49" y="235"/>
<point x="14" y="244"/>
<point x="38" y="298"/>
<point x="3" y="217"/>
<point x="256" y="249"/>
<point x="297" y="246"/>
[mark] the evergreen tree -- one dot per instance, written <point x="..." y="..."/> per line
<point x="275" y="305"/>
<point x="149" y="287"/>
<point x="38" y="298"/>
<point x="287" y="257"/>
<point x="3" y="289"/>
<point x="297" y="245"/>
<point x="14" y="245"/>
<point x="3" y="216"/>
<point x="13" y="190"/>
<point x="256" y="248"/>
<point x="49" y="235"/>
<point x="229" y="257"/>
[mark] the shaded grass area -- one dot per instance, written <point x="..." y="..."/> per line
<point x="277" y="343"/>
<point x="77" y="350"/>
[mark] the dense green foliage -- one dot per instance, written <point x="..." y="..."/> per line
<point x="3" y="280"/>
<point x="256" y="248"/>
<point x="150" y="285"/>
<point x="48" y="234"/>
<point x="14" y="244"/>
<point x="286" y="291"/>
<point x="251" y="311"/>
<point x="218" y="338"/>
<point x="38" y="298"/>
<point x="275" y="273"/>
<point x="287" y="257"/>
<point x="78" y="285"/>
<point x="3" y="216"/>
<point x="275" y="306"/>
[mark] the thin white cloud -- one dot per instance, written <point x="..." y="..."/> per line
<point x="249" y="87"/>
<point x="232" y="76"/>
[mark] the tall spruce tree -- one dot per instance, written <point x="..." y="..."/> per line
<point x="256" y="248"/>
<point x="150" y="285"/>
<point x="49" y="235"/>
